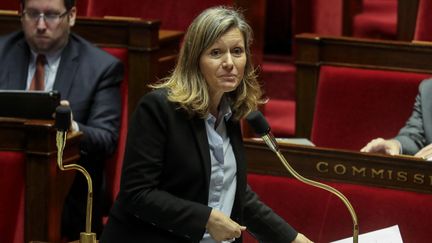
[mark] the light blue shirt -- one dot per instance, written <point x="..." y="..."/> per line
<point x="51" y="67"/>
<point x="223" y="179"/>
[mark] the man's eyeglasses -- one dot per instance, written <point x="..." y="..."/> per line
<point x="50" y="18"/>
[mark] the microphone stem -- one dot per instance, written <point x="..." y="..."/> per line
<point x="61" y="143"/>
<point x="270" y="141"/>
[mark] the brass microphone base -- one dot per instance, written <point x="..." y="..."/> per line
<point x="87" y="237"/>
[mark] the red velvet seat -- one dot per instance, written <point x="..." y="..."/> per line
<point x="354" y="105"/>
<point x="113" y="166"/>
<point x="82" y="6"/>
<point x="324" y="218"/>
<point x="12" y="199"/>
<point x="423" y="30"/>
<point x="280" y="114"/>
<point x="9" y="5"/>
<point x="174" y="15"/>
<point x="278" y="76"/>
<point x="378" y="19"/>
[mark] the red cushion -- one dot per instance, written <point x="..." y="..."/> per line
<point x="114" y="164"/>
<point x="323" y="217"/>
<point x="423" y="31"/>
<point x="12" y="181"/>
<point x="355" y="105"/>
<point x="174" y="14"/>
<point x="9" y="5"/>
<point x="279" y="79"/>
<point x="377" y="20"/>
<point x="82" y="7"/>
<point x="326" y="15"/>
<point x="280" y="115"/>
<point x="293" y="201"/>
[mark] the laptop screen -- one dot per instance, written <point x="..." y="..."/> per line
<point x="28" y="104"/>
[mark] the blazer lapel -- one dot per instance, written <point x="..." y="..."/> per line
<point x="200" y="133"/>
<point x="67" y="69"/>
<point x="236" y="139"/>
<point x="17" y="78"/>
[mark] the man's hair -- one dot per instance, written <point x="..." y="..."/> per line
<point x="187" y="86"/>
<point x="68" y="4"/>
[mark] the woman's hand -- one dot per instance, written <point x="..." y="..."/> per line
<point x="223" y="228"/>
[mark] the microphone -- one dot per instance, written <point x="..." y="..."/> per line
<point x="62" y="124"/>
<point x="261" y="127"/>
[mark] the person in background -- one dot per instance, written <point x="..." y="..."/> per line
<point x="415" y="138"/>
<point x="45" y="55"/>
<point x="184" y="171"/>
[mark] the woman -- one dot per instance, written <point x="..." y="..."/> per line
<point x="184" y="173"/>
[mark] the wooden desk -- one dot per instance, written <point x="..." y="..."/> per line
<point x="46" y="186"/>
<point x="397" y="172"/>
<point x="383" y="190"/>
<point x="151" y="52"/>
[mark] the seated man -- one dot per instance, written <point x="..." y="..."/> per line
<point x="415" y="137"/>
<point x="46" y="56"/>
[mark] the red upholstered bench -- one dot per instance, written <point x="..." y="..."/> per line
<point x="280" y="114"/>
<point x="324" y="218"/>
<point x="113" y="166"/>
<point x="174" y="15"/>
<point x="355" y="105"/>
<point x="378" y="19"/>
<point x="12" y="200"/>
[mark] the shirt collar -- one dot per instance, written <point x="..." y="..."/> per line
<point x="224" y="110"/>
<point x="51" y="58"/>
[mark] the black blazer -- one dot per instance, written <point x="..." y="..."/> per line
<point x="165" y="181"/>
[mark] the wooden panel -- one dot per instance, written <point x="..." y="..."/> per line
<point x="397" y="172"/>
<point x="46" y="186"/>
<point x="407" y="19"/>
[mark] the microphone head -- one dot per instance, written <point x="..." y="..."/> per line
<point x="63" y="118"/>
<point x="258" y="123"/>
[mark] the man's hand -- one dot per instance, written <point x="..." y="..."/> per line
<point x="222" y="228"/>
<point x="380" y="145"/>
<point x="74" y="126"/>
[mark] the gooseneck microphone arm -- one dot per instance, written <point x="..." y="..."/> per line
<point x="261" y="127"/>
<point x="62" y="124"/>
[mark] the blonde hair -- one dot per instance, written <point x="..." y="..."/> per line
<point x="187" y="86"/>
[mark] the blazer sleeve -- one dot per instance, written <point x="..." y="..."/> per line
<point x="263" y="223"/>
<point x="102" y="124"/>
<point x="412" y="136"/>
<point x="142" y="192"/>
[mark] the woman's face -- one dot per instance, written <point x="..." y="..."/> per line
<point x="223" y="63"/>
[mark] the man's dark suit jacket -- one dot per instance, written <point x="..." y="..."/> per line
<point x="165" y="181"/>
<point x="87" y="76"/>
<point x="89" y="79"/>
<point x="417" y="132"/>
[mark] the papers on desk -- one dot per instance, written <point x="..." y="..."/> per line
<point x="386" y="235"/>
<point x="299" y="141"/>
